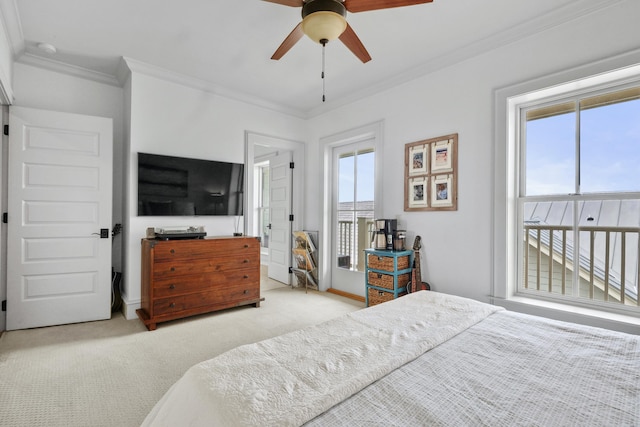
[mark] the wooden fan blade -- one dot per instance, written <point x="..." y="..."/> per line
<point x="366" y="5"/>
<point x="288" y="43"/>
<point x="292" y="3"/>
<point x="351" y="40"/>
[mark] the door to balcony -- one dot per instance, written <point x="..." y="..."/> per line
<point x="353" y="213"/>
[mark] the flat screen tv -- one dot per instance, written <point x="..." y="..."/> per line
<point x="179" y="186"/>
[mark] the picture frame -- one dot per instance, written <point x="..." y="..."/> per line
<point x="441" y="155"/>
<point x="419" y="160"/>
<point x="431" y="175"/>
<point x="418" y="192"/>
<point x="440" y="190"/>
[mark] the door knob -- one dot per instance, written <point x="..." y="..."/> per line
<point x="104" y="233"/>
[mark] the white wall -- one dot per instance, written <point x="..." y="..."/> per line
<point x="173" y="119"/>
<point x="457" y="246"/>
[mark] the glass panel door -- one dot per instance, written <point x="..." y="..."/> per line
<point x="353" y="211"/>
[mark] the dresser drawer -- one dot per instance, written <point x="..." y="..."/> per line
<point x="179" y="249"/>
<point x="382" y="280"/>
<point x="376" y="296"/>
<point x="179" y="285"/>
<point x="385" y="263"/>
<point x="212" y="298"/>
<point x="215" y="265"/>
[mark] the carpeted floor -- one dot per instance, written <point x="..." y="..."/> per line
<point x="112" y="372"/>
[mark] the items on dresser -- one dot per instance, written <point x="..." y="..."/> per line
<point x="172" y="233"/>
<point x="182" y="278"/>
<point x="386" y="274"/>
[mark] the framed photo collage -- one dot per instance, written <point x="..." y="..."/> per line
<point x="431" y="174"/>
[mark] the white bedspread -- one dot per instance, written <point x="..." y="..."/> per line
<point x="509" y="370"/>
<point x="290" y="379"/>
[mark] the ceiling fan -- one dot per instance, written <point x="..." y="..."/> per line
<point x="325" y="20"/>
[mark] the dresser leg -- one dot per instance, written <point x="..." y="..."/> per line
<point x="142" y="314"/>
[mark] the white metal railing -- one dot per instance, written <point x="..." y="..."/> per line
<point x="608" y="262"/>
<point x="361" y="233"/>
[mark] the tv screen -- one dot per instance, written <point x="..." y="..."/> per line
<point x="179" y="186"/>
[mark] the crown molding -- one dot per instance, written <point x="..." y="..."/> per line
<point x="65" y="68"/>
<point x="562" y="15"/>
<point x="136" y="66"/>
<point x="123" y="72"/>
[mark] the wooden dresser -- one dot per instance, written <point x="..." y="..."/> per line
<point x="182" y="278"/>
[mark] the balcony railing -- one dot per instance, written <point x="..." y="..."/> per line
<point x="348" y="256"/>
<point x="607" y="262"/>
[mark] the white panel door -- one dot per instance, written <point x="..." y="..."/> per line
<point x="60" y="174"/>
<point x="280" y="207"/>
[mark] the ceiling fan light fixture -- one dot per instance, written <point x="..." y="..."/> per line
<point x="323" y="20"/>
<point x="323" y="26"/>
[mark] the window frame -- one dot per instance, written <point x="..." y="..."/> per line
<point x="509" y="105"/>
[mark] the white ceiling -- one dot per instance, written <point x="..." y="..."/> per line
<point x="226" y="45"/>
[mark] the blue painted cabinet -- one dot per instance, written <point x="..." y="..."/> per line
<point x="386" y="274"/>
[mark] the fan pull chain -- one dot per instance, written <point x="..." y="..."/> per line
<point x="324" y="45"/>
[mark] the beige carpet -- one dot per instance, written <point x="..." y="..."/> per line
<point x="112" y="372"/>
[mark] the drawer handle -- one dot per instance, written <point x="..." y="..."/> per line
<point x="173" y="304"/>
<point x="380" y="293"/>
<point x="380" y="258"/>
<point x="172" y="286"/>
<point x="245" y="276"/>
<point x="379" y="275"/>
<point x="246" y="291"/>
<point x="173" y="269"/>
<point x="173" y="251"/>
<point x="245" y="261"/>
<point x="246" y="246"/>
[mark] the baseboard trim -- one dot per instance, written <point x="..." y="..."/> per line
<point x="129" y="308"/>
<point x="346" y="294"/>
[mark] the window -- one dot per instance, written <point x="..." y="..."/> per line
<point x="577" y="201"/>
<point x="355" y="207"/>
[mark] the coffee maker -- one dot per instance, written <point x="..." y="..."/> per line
<point x="379" y="237"/>
<point x="382" y="237"/>
<point x="390" y="227"/>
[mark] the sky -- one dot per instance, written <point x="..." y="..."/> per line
<point x="365" y="178"/>
<point x="609" y="151"/>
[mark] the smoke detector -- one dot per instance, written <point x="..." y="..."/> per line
<point x="47" y="48"/>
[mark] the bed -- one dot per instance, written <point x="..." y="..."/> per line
<point x="424" y="359"/>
